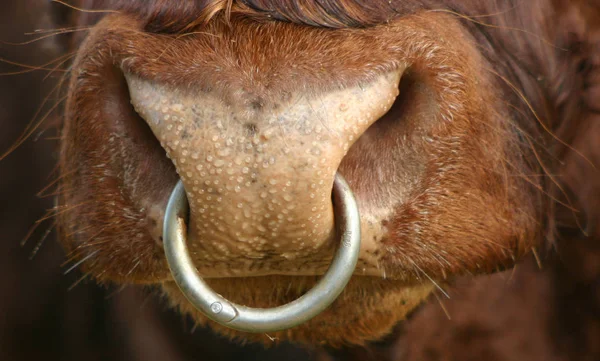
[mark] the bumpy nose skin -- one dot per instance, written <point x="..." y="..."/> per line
<point x="261" y="320"/>
<point x="259" y="174"/>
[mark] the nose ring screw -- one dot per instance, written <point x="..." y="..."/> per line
<point x="261" y="320"/>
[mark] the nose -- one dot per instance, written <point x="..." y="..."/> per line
<point x="258" y="169"/>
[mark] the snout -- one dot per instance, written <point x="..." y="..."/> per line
<point x="258" y="167"/>
<point x="255" y="119"/>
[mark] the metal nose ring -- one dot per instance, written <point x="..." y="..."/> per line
<point x="248" y="319"/>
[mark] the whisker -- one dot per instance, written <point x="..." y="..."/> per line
<point x="85" y="10"/>
<point x="542" y="190"/>
<point x="30" y="130"/>
<point x="431" y="279"/>
<point x="272" y="338"/>
<point x="525" y="134"/>
<point x="562" y="190"/>
<point x="133" y="268"/>
<point x="47" y="31"/>
<point x="490" y="15"/>
<point x="57" y="137"/>
<point x="67" y="70"/>
<point x="92" y="244"/>
<point x="78" y="281"/>
<point x="57" y="210"/>
<point x="33" y="228"/>
<point x="537" y="258"/>
<point x="544" y="126"/>
<point x="512" y="273"/>
<point x="32" y="68"/>
<point x="39" y="244"/>
<point x="442" y="305"/>
<point x="471" y="19"/>
<point x="57" y="192"/>
<point x="41" y="192"/>
<point x="78" y="263"/>
<point x="72" y="255"/>
<point x="80" y="230"/>
<point x="46" y="36"/>
<point x="194" y="327"/>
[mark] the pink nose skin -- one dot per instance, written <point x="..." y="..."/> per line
<point x="259" y="174"/>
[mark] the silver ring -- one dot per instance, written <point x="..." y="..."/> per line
<point x="247" y="319"/>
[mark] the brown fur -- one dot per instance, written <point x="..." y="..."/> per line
<point x="520" y="118"/>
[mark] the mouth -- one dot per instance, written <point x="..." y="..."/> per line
<point x="258" y="170"/>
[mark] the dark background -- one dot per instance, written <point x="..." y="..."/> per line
<point x="550" y="312"/>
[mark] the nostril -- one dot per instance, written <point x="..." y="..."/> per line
<point x="392" y="153"/>
<point x="123" y="119"/>
<point x="415" y="107"/>
<point x="135" y="160"/>
<point x="130" y="136"/>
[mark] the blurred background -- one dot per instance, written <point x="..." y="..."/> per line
<point x="50" y="311"/>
